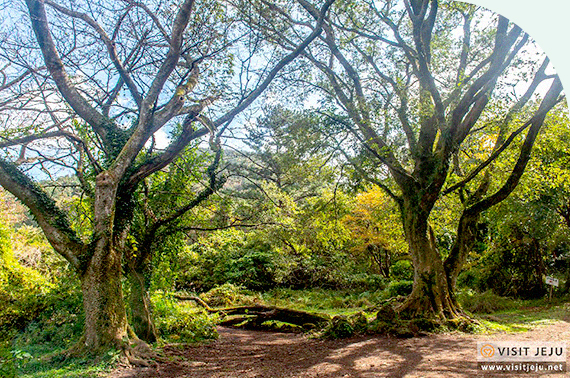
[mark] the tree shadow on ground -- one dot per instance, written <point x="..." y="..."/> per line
<point x="246" y="353"/>
<point x="241" y="353"/>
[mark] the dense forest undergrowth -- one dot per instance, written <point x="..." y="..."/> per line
<point x="43" y="318"/>
<point x="42" y="349"/>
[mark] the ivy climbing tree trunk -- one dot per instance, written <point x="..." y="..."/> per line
<point x="466" y="237"/>
<point x="106" y="98"/>
<point x="105" y="316"/>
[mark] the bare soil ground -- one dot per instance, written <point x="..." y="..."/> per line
<point x="244" y="353"/>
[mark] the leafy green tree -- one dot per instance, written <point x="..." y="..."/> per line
<point x="288" y="150"/>
<point x="133" y="71"/>
<point x="374" y="222"/>
<point x="162" y="215"/>
<point x="516" y="260"/>
<point x="286" y="182"/>
<point x="411" y="83"/>
<point x="544" y="193"/>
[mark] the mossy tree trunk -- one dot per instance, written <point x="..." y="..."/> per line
<point x="105" y="315"/>
<point x="431" y="296"/>
<point x="467" y="233"/>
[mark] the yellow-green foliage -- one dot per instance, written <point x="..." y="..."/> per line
<point x="228" y="295"/>
<point x="182" y="322"/>
<point x="21" y="288"/>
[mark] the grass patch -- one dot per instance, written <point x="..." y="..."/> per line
<point x="43" y="361"/>
<point x="331" y="302"/>
<point x="485" y="303"/>
<point x="500" y="314"/>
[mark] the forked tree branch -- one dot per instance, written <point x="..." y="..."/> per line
<point x="49" y="216"/>
<point x="550" y="100"/>
<point x="109" y="44"/>
<point x="247" y="100"/>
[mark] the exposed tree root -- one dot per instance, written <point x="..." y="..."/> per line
<point x="131" y="352"/>
<point x="138" y="353"/>
<point x="391" y="320"/>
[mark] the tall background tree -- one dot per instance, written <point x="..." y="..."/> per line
<point x="414" y="83"/>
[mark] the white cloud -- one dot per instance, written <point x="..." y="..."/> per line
<point x="161" y="139"/>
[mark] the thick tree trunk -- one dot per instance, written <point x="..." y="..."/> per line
<point x="140" y="307"/>
<point x="105" y="316"/>
<point x="430" y="297"/>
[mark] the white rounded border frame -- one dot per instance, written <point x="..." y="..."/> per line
<point x="547" y="21"/>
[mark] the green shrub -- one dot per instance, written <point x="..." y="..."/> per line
<point x="61" y="321"/>
<point x="513" y="266"/>
<point x="379" y="327"/>
<point x="7" y="362"/>
<point x="339" y="328"/>
<point x="398" y="288"/>
<point x="253" y="269"/>
<point x="54" y="330"/>
<point x="387" y="314"/>
<point x="182" y="323"/>
<point x="469" y="279"/>
<point x="484" y="303"/>
<point x="402" y="270"/>
<point x="359" y="322"/>
<point x="227" y="295"/>
<point x="22" y="289"/>
<point x="227" y="257"/>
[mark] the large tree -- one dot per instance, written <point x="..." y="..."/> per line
<point x="414" y="82"/>
<point x="104" y="81"/>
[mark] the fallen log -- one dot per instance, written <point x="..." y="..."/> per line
<point x="259" y="314"/>
<point x="255" y="315"/>
<point x="196" y="299"/>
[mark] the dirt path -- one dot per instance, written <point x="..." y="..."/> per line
<point x="241" y="353"/>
